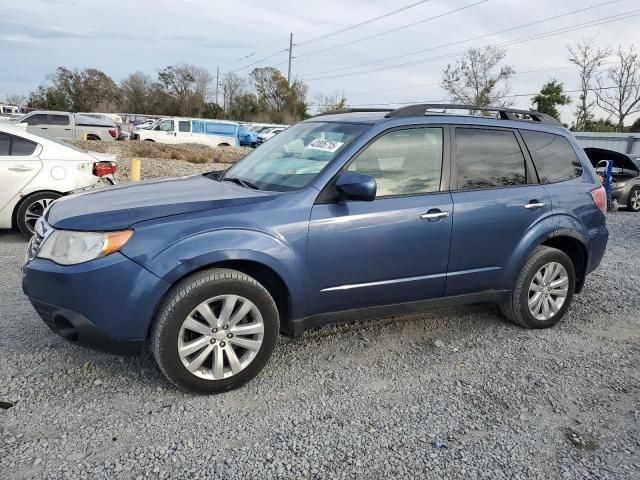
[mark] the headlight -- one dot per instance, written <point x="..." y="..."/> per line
<point x="68" y="248"/>
<point x="615" y="186"/>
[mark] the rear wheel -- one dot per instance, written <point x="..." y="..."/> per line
<point x="31" y="209"/>
<point x="633" y="203"/>
<point x="215" y="331"/>
<point x="543" y="290"/>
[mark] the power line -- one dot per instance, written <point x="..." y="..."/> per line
<point x="447" y="100"/>
<point x="571" y="28"/>
<point x="260" y="61"/>
<point x="360" y="24"/>
<point x="470" y="39"/>
<point x="390" y="31"/>
<point x="433" y="84"/>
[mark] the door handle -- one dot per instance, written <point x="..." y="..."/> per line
<point x="430" y="215"/>
<point x="534" y="205"/>
<point x="44" y="128"/>
<point x="20" y="168"/>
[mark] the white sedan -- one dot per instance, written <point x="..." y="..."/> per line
<point x="35" y="171"/>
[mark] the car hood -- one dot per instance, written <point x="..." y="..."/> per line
<point x="117" y="208"/>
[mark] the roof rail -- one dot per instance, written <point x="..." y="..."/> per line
<point x="354" y="110"/>
<point x="504" y="113"/>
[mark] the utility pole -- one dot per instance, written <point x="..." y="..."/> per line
<point x="217" y="83"/>
<point x="290" y="53"/>
<point x="224" y="98"/>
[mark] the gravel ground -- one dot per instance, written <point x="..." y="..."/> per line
<point x="454" y="393"/>
<point x="162" y="168"/>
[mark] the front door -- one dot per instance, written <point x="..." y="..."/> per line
<point x="395" y="248"/>
<point x="497" y="201"/>
<point x="38" y="124"/>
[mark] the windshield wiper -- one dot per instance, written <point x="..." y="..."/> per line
<point x="241" y="182"/>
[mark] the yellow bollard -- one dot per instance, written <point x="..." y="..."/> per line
<point x="136" y="165"/>
<point x="84" y="136"/>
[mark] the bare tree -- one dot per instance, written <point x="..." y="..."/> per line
<point x="136" y="90"/>
<point x="17" y="100"/>
<point x="234" y="87"/>
<point x="329" y="103"/>
<point x="624" y="99"/>
<point x="478" y="78"/>
<point x="588" y="58"/>
<point x="187" y="85"/>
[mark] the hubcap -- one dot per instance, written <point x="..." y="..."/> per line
<point x="220" y="337"/>
<point x="548" y="291"/>
<point x="635" y="200"/>
<point x="34" y="212"/>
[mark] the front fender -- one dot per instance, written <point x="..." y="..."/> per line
<point x="549" y="227"/>
<point x="195" y="252"/>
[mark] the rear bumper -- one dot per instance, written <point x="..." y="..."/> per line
<point x="598" y="238"/>
<point x="105" y="304"/>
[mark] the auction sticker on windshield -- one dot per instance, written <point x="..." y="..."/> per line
<point x="324" y="145"/>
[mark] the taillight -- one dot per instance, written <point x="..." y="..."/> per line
<point x="100" y="169"/>
<point x="113" y="132"/>
<point x="599" y="196"/>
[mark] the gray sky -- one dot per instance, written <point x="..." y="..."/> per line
<point x="36" y="36"/>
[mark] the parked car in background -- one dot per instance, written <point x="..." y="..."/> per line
<point x="177" y="130"/>
<point x="146" y="124"/>
<point x="247" y="138"/>
<point x="340" y="217"/>
<point x="625" y="173"/>
<point x="9" y="111"/>
<point x="268" y="133"/>
<point x="64" y="125"/>
<point x="35" y="171"/>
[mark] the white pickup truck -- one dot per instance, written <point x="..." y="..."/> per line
<point x="66" y="125"/>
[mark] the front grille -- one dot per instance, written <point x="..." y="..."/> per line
<point x="41" y="231"/>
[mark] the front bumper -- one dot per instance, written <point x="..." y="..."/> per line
<point x="106" y="304"/>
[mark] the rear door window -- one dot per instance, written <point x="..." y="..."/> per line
<point x="553" y="156"/>
<point x="184" y="126"/>
<point x="21" y="147"/>
<point x="488" y="159"/>
<point x="59" y="120"/>
<point x="5" y="145"/>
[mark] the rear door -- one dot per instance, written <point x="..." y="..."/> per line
<point x="393" y="249"/>
<point x="60" y="125"/>
<point x="497" y="200"/>
<point x="183" y="134"/>
<point x="18" y="166"/>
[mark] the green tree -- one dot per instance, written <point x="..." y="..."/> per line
<point x="245" y="108"/>
<point x="86" y="90"/>
<point x="47" y="98"/>
<point x="635" y="126"/>
<point x="601" y="125"/>
<point x="281" y="101"/>
<point x="137" y="91"/>
<point x="550" y="97"/>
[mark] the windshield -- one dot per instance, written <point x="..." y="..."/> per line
<point x="294" y="158"/>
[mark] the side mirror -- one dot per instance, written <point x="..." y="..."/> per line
<point x="356" y="186"/>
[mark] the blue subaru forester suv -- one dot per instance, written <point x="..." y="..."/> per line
<point x="343" y="216"/>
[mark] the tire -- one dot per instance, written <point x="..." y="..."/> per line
<point x="633" y="203"/>
<point x="31" y="209"/>
<point x="180" y="312"/>
<point x="149" y="140"/>
<point x="515" y="305"/>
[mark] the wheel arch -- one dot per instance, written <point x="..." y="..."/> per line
<point x="549" y="233"/>
<point x="16" y="207"/>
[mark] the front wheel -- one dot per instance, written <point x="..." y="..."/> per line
<point x="215" y="331"/>
<point x="543" y="290"/>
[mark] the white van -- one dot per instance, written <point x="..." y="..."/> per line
<point x="175" y="130"/>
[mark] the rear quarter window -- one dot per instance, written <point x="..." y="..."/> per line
<point x="553" y="156"/>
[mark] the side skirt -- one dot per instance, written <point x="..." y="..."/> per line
<point x="298" y="326"/>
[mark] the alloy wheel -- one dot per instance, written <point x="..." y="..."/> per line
<point x="34" y="211"/>
<point x="220" y="337"/>
<point x="548" y="291"/>
<point x="635" y="200"/>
